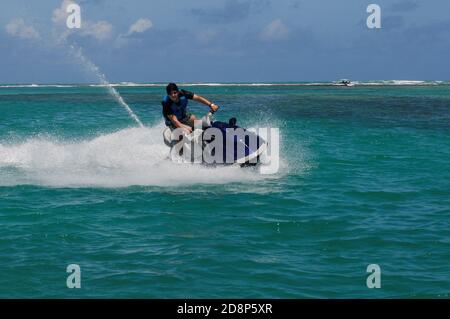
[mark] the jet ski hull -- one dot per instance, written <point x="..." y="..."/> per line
<point x="220" y="143"/>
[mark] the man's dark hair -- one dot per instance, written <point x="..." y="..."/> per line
<point x="171" y="87"/>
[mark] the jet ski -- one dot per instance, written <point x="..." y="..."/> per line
<point x="215" y="142"/>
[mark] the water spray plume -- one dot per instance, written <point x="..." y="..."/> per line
<point x="77" y="52"/>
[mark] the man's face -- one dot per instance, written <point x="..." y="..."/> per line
<point x="174" y="96"/>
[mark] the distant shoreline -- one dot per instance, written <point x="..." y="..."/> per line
<point x="231" y="84"/>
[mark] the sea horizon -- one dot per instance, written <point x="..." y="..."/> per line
<point x="234" y="83"/>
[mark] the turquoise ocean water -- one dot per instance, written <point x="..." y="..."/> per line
<point x="364" y="179"/>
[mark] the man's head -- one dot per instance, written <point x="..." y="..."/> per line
<point x="173" y="92"/>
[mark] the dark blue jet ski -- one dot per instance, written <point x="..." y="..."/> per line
<point x="215" y="142"/>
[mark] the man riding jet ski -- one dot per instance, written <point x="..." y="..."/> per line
<point x="206" y="141"/>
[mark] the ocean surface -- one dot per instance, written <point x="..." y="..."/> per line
<point x="364" y="179"/>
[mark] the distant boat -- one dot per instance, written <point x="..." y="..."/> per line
<point x="345" y="82"/>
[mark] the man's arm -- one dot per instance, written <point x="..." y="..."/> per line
<point x="201" y="99"/>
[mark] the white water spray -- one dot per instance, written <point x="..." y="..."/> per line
<point x="93" y="68"/>
<point x="132" y="156"/>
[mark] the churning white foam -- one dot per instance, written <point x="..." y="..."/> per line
<point x="132" y="156"/>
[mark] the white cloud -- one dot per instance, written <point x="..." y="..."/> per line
<point x="140" y="26"/>
<point x="60" y="15"/>
<point x="18" y="28"/>
<point x="100" y="30"/>
<point x="275" y="30"/>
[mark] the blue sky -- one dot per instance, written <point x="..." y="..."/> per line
<point x="226" y="41"/>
